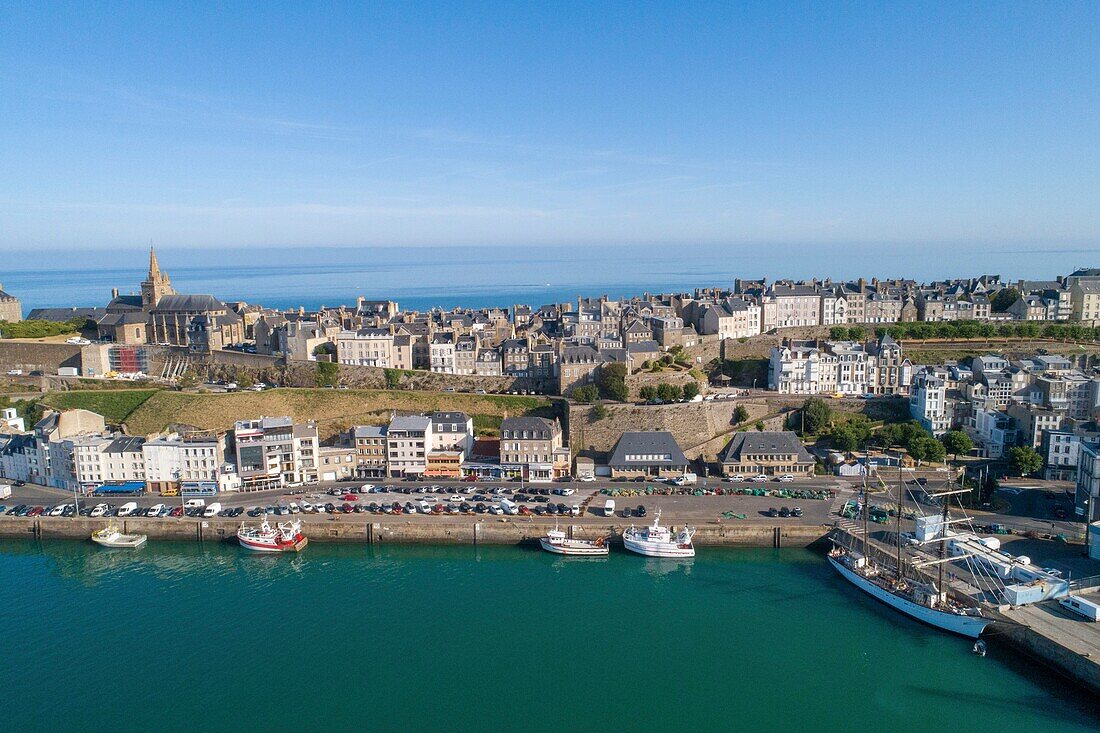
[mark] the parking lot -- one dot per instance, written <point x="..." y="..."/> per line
<point x="349" y="501"/>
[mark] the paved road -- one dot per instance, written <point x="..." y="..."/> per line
<point x="696" y="509"/>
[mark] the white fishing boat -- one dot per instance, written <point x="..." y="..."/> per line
<point x="556" y="542"/>
<point x="916" y="597"/>
<point x="283" y="537"/>
<point x="110" y="536"/>
<point x="658" y="541"/>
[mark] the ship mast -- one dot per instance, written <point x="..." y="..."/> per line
<point x="866" y="510"/>
<point x="901" y="505"/>
<point x="943" y="541"/>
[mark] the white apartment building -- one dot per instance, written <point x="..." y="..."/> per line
<point x="730" y="318"/>
<point x="371" y="347"/>
<point x="275" y="452"/>
<point x="839" y="367"/>
<point x="928" y="402"/>
<point x="172" y="462"/>
<point x="441" y="353"/>
<point x="992" y="430"/>
<point x="408" y="441"/>
<point x="795" y="305"/>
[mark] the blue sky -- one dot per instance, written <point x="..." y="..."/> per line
<point x="535" y="124"/>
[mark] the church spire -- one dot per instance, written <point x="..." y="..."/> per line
<point x="154" y="266"/>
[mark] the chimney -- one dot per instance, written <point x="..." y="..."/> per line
<point x="862" y="284"/>
<point x="114" y="292"/>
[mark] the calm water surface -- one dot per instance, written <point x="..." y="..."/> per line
<point x="177" y="637"/>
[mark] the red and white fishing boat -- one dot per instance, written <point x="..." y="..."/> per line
<point x="283" y="537"/>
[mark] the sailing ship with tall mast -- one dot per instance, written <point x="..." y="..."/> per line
<point x="918" y="598"/>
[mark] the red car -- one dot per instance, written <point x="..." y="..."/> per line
<point x="351" y="497"/>
<point x="177" y="511"/>
<point x="35" y="512"/>
<point x="470" y="478"/>
<point x="347" y="509"/>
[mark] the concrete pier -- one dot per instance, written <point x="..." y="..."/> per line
<point x="372" y="529"/>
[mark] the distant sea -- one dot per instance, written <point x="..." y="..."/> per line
<point x="424" y="277"/>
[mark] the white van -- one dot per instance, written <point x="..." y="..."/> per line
<point x="127" y="509"/>
<point x="1081" y="606"/>
<point x="212" y="510"/>
<point x="194" y="503"/>
<point x="609" y="508"/>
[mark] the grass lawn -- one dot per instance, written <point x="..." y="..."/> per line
<point x="114" y="405"/>
<point x="333" y="410"/>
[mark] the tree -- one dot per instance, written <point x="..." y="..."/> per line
<point x="740" y="415"/>
<point x="851" y="435"/>
<point x="612" y="381"/>
<point x="393" y="378"/>
<point x="1024" y="460"/>
<point x="957" y="443"/>
<point x="838" y="333"/>
<point x="816" y="415"/>
<point x="926" y="448"/>
<point x="857" y="333"/>
<point x="328" y="374"/>
<point x="669" y="392"/>
<point x="244" y="380"/>
<point x="760" y="426"/>
<point x="599" y="412"/>
<point x="188" y="379"/>
<point x="648" y="392"/>
<point x="586" y="393"/>
<point x="691" y="389"/>
<point x="1003" y="299"/>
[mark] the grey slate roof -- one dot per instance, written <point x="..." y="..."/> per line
<point x="370" y="431"/>
<point x="189" y="303"/>
<point x="441" y="419"/>
<point x="410" y="422"/>
<point x="538" y="428"/>
<point x="656" y="443"/>
<point x="768" y="443"/>
<point x="64" y="314"/>
<point x="125" y="444"/>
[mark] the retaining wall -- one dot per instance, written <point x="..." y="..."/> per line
<point x="490" y="531"/>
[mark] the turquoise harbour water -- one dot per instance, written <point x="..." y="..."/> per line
<point x="180" y="637"/>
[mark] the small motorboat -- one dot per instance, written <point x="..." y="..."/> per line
<point x="556" y="542"/>
<point x="110" y="536"/>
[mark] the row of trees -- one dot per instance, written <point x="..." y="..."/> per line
<point x="667" y="392"/>
<point x="858" y="433"/>
<point x="918" y="330"/>
<point x="847" y="333"/>
<point x="41" y="329"/>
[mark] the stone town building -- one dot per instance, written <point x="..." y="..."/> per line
<point x="652" y="454"/>
<point x="531" y="448"/>
<point x="10" y="308"/>
<point x="766" y="453"/>
<point x="369" y="442"/>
